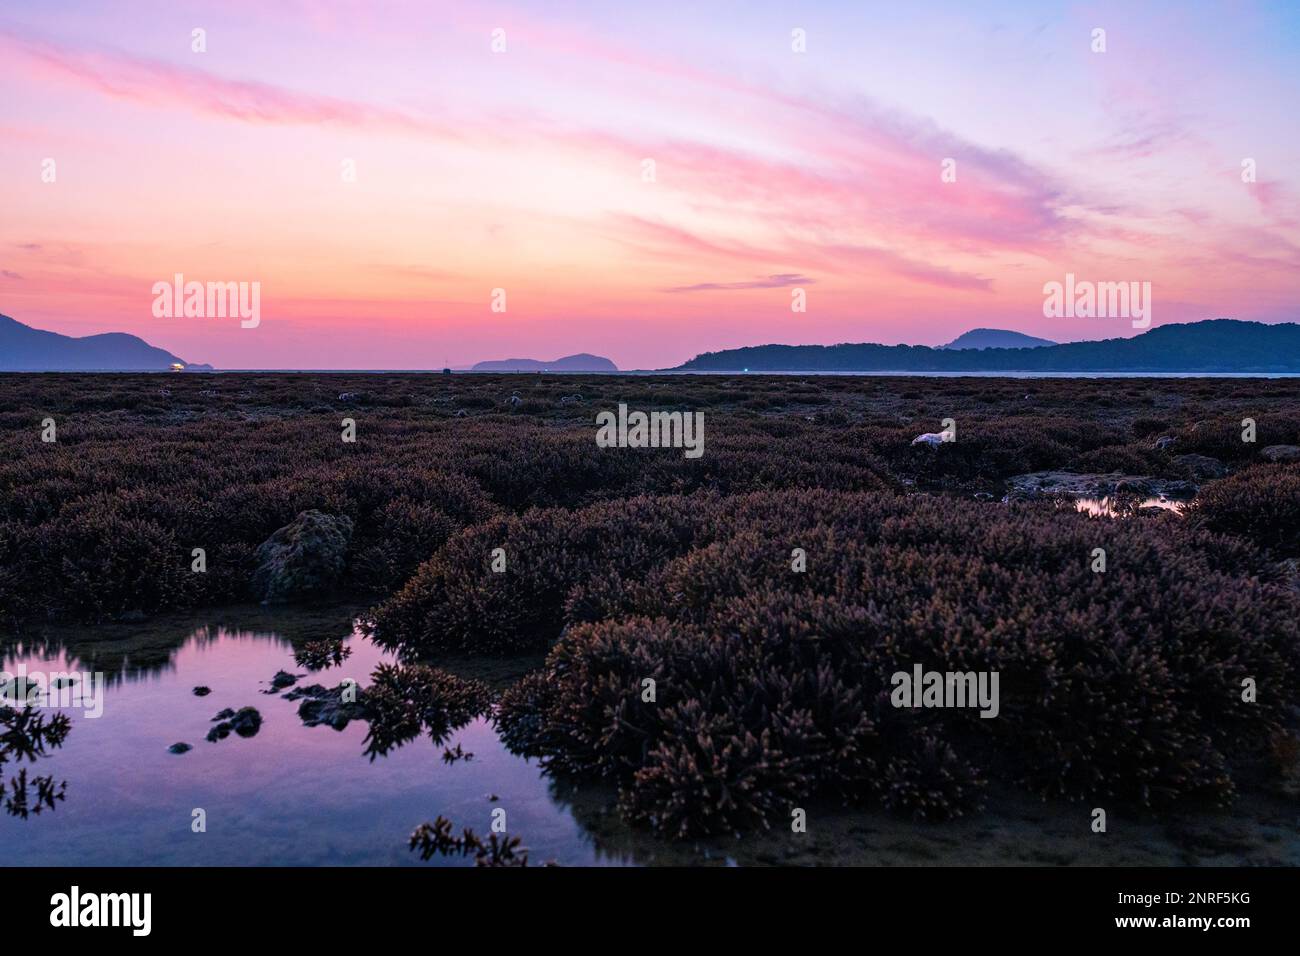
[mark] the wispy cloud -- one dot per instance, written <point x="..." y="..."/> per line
<point x="160" y="83"/>
<point x="771" y="282"/>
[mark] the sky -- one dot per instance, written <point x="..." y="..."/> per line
<point x="413" y="185"/>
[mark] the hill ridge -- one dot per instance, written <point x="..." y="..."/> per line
<point x="1211" y="345"/>
<point x="27" y="349"/>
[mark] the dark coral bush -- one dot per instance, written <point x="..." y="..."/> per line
<point x="142" y="474"/>
<point x="772" y="686"/>
<point x="139" y="486"/>
<point x="520" y="714"/>
<point x="991" y="448"/>
<point x="1221" y="436"/>
<point x="457" y="602"/>
<point x="1260" y="503"/>
<point x="404" y="702"/>
<point x="1130" y="459"/>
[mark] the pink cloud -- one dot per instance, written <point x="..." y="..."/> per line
<point x="162" y="84"/>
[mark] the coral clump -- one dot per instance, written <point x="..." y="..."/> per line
<point x="772" y="686"/>
<point x="1260" y="503"/>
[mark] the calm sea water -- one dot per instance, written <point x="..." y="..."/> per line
<point x="290" y="795"/>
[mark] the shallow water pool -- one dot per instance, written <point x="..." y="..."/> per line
<point x="289" y="795"/>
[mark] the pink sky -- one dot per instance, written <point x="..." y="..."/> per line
<point x="523" y="170"/>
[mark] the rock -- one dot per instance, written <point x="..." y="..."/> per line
<point x="304" y="557"/>
<point x="202" y="691"/>
<point x="929" y="438"/>
<point x="1067" y="484"/>
<point x="516" y="400"/>
<point x="1281" y="453"/>
<point x="1132" y="486"/>
<point x="1203" y="467"/>
<point x="179" y="748"/>
<point x="461" y="413"/>
<point x="325" y="705"/>
<point x="281" y="680"/>
<point x="570" y="399"/>
<point x="246" y="722"/>
<point x="1165" y="441"/>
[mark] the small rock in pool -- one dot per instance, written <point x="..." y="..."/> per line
<point x="202" y="691"/>
<point x="281" y="680"/>
<point x="179" y="748"/>
<point x="246" y="722"/>
<point x="322" y="705"/>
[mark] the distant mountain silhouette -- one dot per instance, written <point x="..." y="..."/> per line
<point x="1215" y="345"/>
<point x="25" y="349"/>
<point x="996" y="339"/>
<point x="582" y="362"/>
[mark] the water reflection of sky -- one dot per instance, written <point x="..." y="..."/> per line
<point x="291" y="795"/>
<point x="1117" y="507"/>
